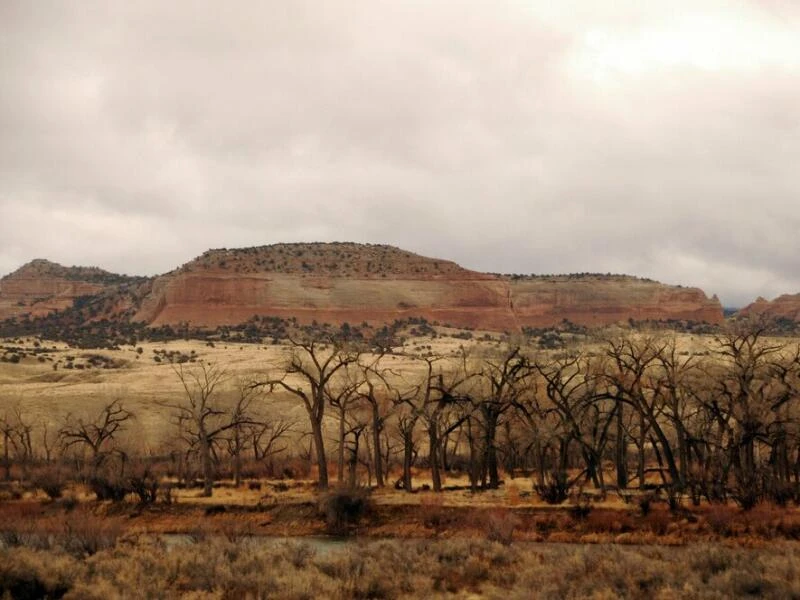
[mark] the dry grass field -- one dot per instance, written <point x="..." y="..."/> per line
<point x="143" y="378"/>
<point x="141" y="382"/>
<point x="51" y="381"/>
<point x="220" y="568"/>
<point x="493" y="543"/>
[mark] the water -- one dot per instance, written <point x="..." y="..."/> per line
<point x="320" y="544"/>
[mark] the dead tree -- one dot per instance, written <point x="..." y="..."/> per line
<point x="343" y="396"/>
<point x="754" y="385"/>
<point x="376" y="392"/>
<point x="201" y="416"/>
<point x="96" y="435"/>
<point x="307" y="376"/>
<point x="445" y="397"/>
<point x="504" y="377"/>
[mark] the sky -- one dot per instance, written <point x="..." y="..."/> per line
<point x="659" y="139"/>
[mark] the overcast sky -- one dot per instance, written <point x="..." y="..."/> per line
<point x="660" y="139"/>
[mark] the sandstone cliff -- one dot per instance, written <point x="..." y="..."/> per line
<point x="41" y="286"/>
<point x="603" y="299"/>
<point x="355" y="283"/>
<point x="786" y="306"/>
<point x="345" y="282"/>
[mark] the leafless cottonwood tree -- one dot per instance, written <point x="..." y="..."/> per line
<point x="343" y="396"/>
<point x="241" y="422"/>
<point x="445" y="405"/>
<point x="754" y="402"/>
<point x="201" y="415"/>
<point x="377" y="392"/>
<point x="308" y="376"/>
<point x="247" y="427"/>
<point x="637" y="376"/>
<point x="96" y="435"/>
<point x="504" y="379"/>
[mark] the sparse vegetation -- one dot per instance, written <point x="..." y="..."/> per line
<point x="395" y="569"/>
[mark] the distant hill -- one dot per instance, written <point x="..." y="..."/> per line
<point x="786" y="307"/>
<point x="344" y="283"/>
<point x="41" y="287"/>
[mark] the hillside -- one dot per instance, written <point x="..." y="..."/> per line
<point x="346" y="282"/>
<point x="41" y="287"/>
<point x="785" y="307"/>
<point x="355" y="283"/>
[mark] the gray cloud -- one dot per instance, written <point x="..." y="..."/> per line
<point x="516" y="136"/>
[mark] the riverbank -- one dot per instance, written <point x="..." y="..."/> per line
<point x="427" y="518"/>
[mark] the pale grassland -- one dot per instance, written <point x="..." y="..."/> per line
<point x="143" y="385"/>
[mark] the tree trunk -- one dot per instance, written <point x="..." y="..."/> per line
<point x="353" y="463"/>
<point x="322" y="461"/>
<point x="473" y="458"/>
<point x="376" y="442"/>
<point x="491" y="450"/>
<point x="237" y="458"/>
<point x="433" y="440"/>
<point x="683" y="454"/>
<point x="340" y="455"/>
<point x="408" y="455"/>
<point x="642" y="441"/>
<point x="6" y="458"/>
<point x="669" y="456"/>
<point x="205" y="458"/>
<point x="621" y="452"/>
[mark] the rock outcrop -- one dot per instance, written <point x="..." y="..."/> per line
<point x="41" y="286"/>
<point x="786" y="306"/>
<point x="355" y="283"/>
<point x="594" y="300"/>
<point x="344" y="282"/>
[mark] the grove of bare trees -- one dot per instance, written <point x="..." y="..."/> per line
<point x="622" y="410"/>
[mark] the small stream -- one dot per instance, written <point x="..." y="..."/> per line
<point x="320" y="544"/>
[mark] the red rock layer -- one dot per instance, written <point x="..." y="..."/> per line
<point x="212" y="297"/>
<point x="41" y="287"/>
<point x="786" y="306"/>
<point x="354" y="283"/>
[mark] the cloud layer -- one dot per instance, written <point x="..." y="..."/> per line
<point x="508" y="136"/>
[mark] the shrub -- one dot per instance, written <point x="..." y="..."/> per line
<point x="106" y="488"/>
<point x="50" y="481"/>
<point x="555" y="488"/>
<point x="28" y="575"/>
<point x="500" y="526"/>
<point x="86" y="534"/>
<point x="344" y="508"/>
<point x="145" y="485"/>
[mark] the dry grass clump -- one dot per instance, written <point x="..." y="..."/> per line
<point x="27" y="573"/>
<point x="71" y="528"/>
<point x="218" y="567"/>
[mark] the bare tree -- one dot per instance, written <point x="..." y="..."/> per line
<point x="96" y="435"/>
<point x="7" y="429"/>
<point x="343" y="396"/>
<point x="377" y="392"/>
<point x="442" y="409"/>
<point x="266" y="434"/>
<point x="242" y="418"/>
<point x="201" y="416"/>
<point x="754" y="387"/>
<point x="504" y="378"/>
<point x="308" y="375"/>
<point x="636" y="375"/>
